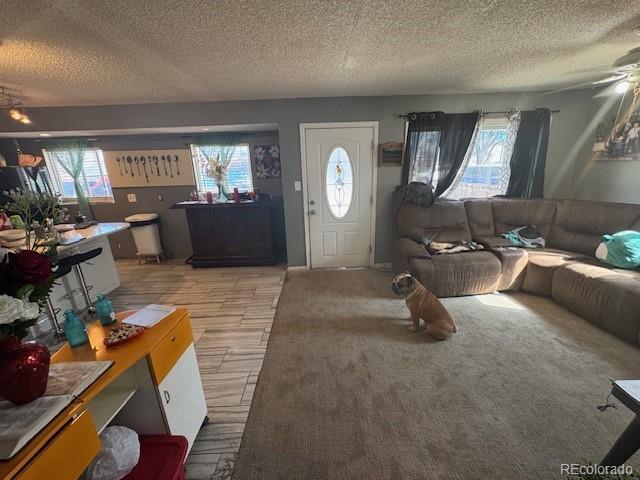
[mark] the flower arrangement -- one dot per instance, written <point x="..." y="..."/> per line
<point x="26" y="278"/>
<point x="39" y="212"/>
<point x="214" y="168"/>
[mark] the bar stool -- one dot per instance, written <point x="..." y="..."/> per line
<point x="74" y="262"/>
<point x="52" y="312"/>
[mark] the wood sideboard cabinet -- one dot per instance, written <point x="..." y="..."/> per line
<point x="228" y="234"/>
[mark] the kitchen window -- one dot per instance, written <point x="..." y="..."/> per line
<point x="238" y="171"/>
<point x="487" y="170"/>
<point x="94" y="180"/>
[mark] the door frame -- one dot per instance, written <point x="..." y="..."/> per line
<point x="374" y="180"/>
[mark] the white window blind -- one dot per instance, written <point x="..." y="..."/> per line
<point x="94" y="180"/>
<point x="238" y="173"/>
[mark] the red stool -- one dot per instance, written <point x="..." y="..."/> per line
<point x="161" y="458"/>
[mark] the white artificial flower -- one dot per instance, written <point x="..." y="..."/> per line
<point x="31" y="310"/>
<point x="11" y="309"/>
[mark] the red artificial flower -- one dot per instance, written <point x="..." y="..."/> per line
<point x="32" y="267"/>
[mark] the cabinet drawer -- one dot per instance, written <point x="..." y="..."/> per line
<point x="164" y="356"/>
<point x="68" y="453"/>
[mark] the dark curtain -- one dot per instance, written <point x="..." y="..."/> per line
<point x="421" y="152"/>
<point x="456" y="135"/>
<point x="530" y="154"/>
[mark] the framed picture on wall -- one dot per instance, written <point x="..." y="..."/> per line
<point x="267" y="159"/>
<point x="390" y="154"/>
<point x="618" y="134"/>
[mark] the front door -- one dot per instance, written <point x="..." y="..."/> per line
<point x="339" y="165"/>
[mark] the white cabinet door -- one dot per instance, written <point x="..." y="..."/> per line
<point x="182" y="397"/>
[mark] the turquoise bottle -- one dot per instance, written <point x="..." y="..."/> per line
<point x="104" y="310"/>
<point x="74" y="329"/>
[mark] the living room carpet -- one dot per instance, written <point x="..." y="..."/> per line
<point x="347" y="392"/>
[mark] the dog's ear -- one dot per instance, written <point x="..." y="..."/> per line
<point x="410" y="281"/>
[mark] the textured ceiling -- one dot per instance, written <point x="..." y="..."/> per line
<point x="92" y="52"/>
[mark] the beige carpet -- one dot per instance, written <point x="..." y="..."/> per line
<point x="347" y="392"/>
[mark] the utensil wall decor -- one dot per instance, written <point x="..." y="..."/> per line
<point x="143" y="169"/>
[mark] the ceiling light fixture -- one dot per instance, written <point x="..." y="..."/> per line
<point x="15" y="106"/>
<point x="622" y="87"/>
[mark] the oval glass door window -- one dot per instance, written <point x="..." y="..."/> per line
<point x="339" y="182"/>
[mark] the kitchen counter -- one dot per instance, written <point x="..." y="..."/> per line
<point x="91" y="233"/>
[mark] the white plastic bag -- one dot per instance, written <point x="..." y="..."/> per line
<point x="119" y="454"/>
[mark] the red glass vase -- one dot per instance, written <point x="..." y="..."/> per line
<point x="24" y="370"/>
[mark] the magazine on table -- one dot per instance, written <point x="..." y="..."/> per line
<point x="67" y="380"/>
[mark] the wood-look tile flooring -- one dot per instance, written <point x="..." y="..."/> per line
<point x="232" y="310"/>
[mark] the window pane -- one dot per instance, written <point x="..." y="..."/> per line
<point x="238" y="172"/>
<point x="94" y="180"/>
<point x="488" y="167"/>
<point x="339" y="182"/>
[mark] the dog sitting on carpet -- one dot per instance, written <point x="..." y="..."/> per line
<point x="424" y="304"/>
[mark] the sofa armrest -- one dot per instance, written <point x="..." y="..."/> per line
<point x="405" y="249"/>
<point x="411" y="249"/>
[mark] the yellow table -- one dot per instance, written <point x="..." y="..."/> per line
<point x="153" y="387"/>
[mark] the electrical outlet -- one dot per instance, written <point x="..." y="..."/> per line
<point x="131" y="198"/>
<point x="297" y="185"/>
<point x="160" y="198"/>
<point x="119" y="245"/>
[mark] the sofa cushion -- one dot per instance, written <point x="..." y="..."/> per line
<point x="480" y="218"/>
<point x="444" y="221"/>
<point x="541" y="267"/>
<point x="514" y="263"/>
<point x="469" y="273"/>
<point x="607" y="297"/>
<point x="579" y="225"/>
<point x="513" y="213"/>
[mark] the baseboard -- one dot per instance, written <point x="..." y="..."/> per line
<point x="382" y="265"/>
<point x="296" y="268"/>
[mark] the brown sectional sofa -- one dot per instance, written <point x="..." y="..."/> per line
<point x="565" y="270"/>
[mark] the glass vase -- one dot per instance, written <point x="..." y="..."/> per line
<point x="104" y="311"/>
<point x="24" y="370"/>
<point x="74" y="329"/>
<point x="222" y="193"/>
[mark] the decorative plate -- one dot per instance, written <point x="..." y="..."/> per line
<point x="122" y="334"/>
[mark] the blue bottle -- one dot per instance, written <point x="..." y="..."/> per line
<point x="104" y="310"/>
<point x="74" y="329"/>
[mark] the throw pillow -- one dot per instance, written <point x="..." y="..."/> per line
<point x="621" y="249"/>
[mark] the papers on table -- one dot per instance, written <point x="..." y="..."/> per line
<point x="67" y="380"/>
<point x="150" y="315"/>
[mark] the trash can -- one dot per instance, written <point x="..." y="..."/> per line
<point x="144" y="227"/>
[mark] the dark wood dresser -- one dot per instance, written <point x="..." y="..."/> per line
<point x="228" y="234"/>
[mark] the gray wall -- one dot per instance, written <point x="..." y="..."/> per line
<point x="174" y="230"/>
<point x="567" y="147"/>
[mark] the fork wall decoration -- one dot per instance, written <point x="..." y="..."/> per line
<point x="149" y="168"/>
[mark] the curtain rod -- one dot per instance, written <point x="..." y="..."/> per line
<point x="405" y="115"/>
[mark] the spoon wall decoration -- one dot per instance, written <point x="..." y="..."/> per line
<point x="143" y="160"/>
<point x="169" y="162"/>
<point x="175" y="159"/>
<point x="119" y="166"/>
<point x="155" y="160"/>
<point x="164" y="162"/>
<point x="130" y="162"/>
<point x="137" y="160"/>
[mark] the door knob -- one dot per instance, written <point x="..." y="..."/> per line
<point x="312" y="212"/>
<point x="311" y="202"/>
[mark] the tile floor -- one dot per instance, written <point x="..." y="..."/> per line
<point x="232" y="310"/>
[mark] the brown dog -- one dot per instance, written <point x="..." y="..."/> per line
<point x="424" y="304"/>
